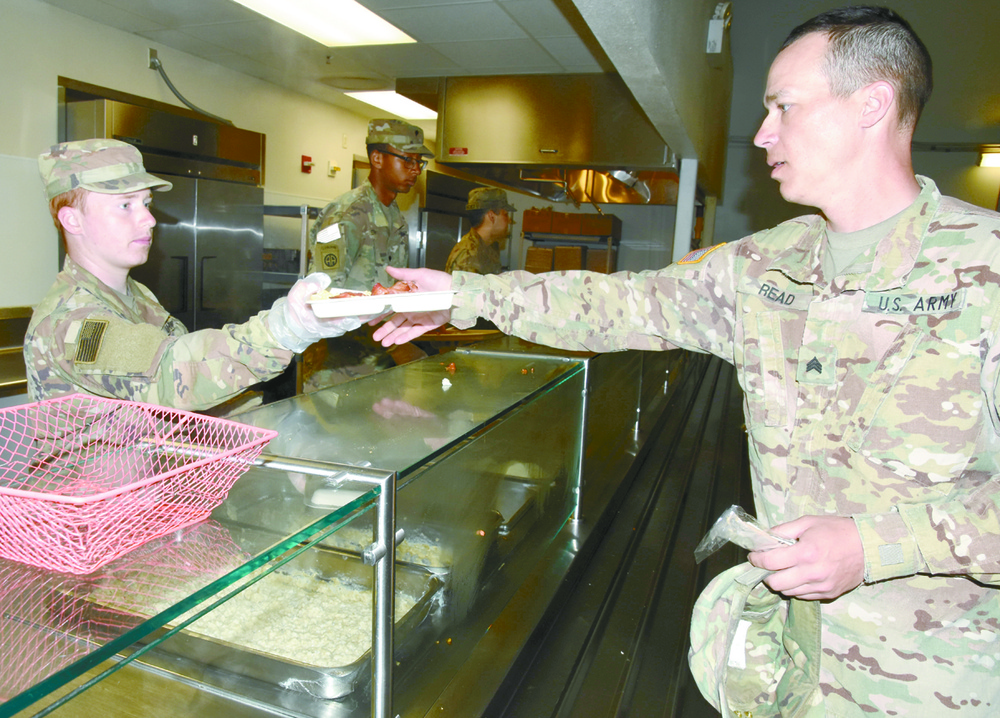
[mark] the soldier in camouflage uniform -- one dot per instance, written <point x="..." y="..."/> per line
<point x="491" y="217"/>
<point x="867" y="344"/>
<point x="356" y="236"/>
<point x="100" y="332"/>
<point x="362" y="231"/>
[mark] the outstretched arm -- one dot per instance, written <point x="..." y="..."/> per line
<point x="401" y="328"/>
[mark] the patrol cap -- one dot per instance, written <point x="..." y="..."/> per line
<point x="100" y="165"/>
<point x="488" y="198"/>
<point x="399" y="135"/>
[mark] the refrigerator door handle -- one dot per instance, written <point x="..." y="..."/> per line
<point x="184" y="283"/>
<point x="201" y="284"/>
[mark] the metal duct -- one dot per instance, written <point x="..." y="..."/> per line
<point x="577" y="138"/>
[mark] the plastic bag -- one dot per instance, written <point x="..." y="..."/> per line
<point x="742" y="529"/>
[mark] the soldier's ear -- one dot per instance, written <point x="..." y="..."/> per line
<point x="69" y="218"/>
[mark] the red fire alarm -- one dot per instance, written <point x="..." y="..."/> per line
<point x="307" y="164"/>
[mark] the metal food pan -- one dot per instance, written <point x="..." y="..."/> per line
<point x="327" y="682"/>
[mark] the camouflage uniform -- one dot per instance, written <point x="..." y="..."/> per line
<point x="471" y="254"/>
<point x="367" y="237"/>
<point x="85" y="337"/>
<point x="356" y="236"/>
<point x="873" y="394"/>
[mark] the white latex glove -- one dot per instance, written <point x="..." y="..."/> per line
<point x="294" y="324"/>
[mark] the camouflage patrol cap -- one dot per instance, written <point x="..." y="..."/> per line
<point x="100" y="165"/>
<point x="399" y="135"/>
<point x="488" y="198"/>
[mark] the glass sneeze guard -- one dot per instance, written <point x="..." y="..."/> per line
<point x="54" y="627"/>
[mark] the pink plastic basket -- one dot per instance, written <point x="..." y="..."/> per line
<point x="84" y="479"/>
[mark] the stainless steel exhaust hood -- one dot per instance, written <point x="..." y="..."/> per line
<point x="577" y="138"/>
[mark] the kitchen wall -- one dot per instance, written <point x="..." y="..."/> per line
<point x="965" y="106"/>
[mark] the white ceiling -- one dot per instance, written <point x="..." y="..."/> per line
<point x="454" y="37"/>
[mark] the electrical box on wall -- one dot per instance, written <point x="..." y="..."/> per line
<point x="717" y="26"/>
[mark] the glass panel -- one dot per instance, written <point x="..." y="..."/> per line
<point x="55" y="626"/>
<point x="401" y="418"/>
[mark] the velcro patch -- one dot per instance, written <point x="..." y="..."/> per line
<point x="890" y="554"/>
<point x="697" y="255"/>
<point x="117" y="346"/>
<point x="89" y="340"/>
<point x="330" y="256"/>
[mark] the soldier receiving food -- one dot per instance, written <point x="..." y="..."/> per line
<point x="866" y="342"/>
<point x="363" y="230"/>
<point x="356" y="236"/>
<point x="98" y="331"/>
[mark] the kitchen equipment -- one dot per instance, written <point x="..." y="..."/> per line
<point x="84" y="479"/>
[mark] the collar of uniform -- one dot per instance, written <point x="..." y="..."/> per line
<point x="894" y="255"/>
<point x="897" y="252"/>
<point x="95" y="286"/>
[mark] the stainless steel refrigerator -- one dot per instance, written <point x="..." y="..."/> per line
<point x="205" y="265"/>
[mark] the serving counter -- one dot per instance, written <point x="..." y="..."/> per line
<point x="502" y="454"/>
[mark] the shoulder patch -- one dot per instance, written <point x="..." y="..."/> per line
<point x="697" y="255"/>
<point x="88" y="344"/>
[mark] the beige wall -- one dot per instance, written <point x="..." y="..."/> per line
<point x="39" y="43"/>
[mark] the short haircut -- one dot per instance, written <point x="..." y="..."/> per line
<point x="376" y="147"/>
<point x="476" y="216"/>
<point x="868" y="44"/>
<point x="76" y="198"/>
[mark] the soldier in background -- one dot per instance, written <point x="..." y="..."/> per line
<point x="98" y="331"/>
<point x="353" y="240"/>
<point x="363" y="230"/>
<point x="866" y="340"/>
<point x="491" y="217"/>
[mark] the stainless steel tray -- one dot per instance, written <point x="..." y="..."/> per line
<point x="327" y="682"/>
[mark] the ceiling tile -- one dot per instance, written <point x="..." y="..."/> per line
<point x="479" y="21"/>
<point x="540" y="18"/>
<point x="258" y="37"/>
<point x="569" y="51"/>
<point x="410" y="60"/>
<point x="455" y="37"/>
<point x="515" y="56"/>
<point x="378" y="6"/>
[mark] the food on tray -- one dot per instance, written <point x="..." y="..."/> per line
<point x="377" y="290"/>
<point x="299" y="616"/>
<point x="397" y="288"/>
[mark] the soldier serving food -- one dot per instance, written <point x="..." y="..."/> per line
<point x="100" y="332"/>
<point x="865" y="339"/>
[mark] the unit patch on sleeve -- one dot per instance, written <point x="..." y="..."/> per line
<point x="88" y="344"/>
<point x="697" y="255"/>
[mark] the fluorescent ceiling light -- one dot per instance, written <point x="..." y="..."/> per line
<point x="334" y="23"/>
<point x="396" y="104"/>
<point x="989" y="159"/>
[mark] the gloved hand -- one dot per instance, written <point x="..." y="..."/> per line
<point x="294" y="324"/>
